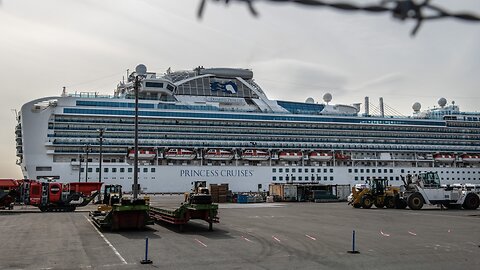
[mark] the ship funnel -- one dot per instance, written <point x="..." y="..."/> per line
<point x="367" y="112"/>
<point x="382" y="110"/>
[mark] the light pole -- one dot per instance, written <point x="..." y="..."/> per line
<point x="140" y="70"/>
<point x="79" y="167"/>
<point x="87" y="150"/>
<point x="100" y="159"/>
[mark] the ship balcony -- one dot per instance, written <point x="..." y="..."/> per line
<point x="50" y="152"/>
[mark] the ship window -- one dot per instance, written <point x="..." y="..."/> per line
<point x="362" y="178"/>
<point x="325" y="178"/>
<point x="280" y="170"/>
<point x="319" y="178"/>
<point x="402" y="171"/>
<point x="170" y="87"/>
<point x="287" y="178"/>
<point x="97" y="169"/>
<point x="331" y="170"/>
<point x="105" y="170"/>
<point x="274" y="178"/>
<point x="294" y="170"/>
<point x="300" y="178"/>
<point x="331" y="178"/>
<point x="90" y="170"/>
<point x="349" y="170"/>
<point x="356" y="170"/>
<point x="367" y="170"/>
<point x="385" y="170"/>
<point x="361" y="170"/>
<point x="145" y="170"/>
<point x="130" y="170"/>
<point x="43" y="169"/>
<point x="122" y="170"/>
<point x="114" y="170"/>
<point x="280" y="178"/>
<point x="306" y="178"/>
<point x="312" y="170"/>
<point x="324" y="170"/>
<point x="152" y="170"/>
<point x="274" y="170"/>
<point x="154" y="84"/>
<point x="391" y="170"/>
<point x="356" y="178"/>
<point x="299" y="170"/>
<point x="287" y="170"/>
<point x="82" y="170"/>
<point x="319" y="170"/>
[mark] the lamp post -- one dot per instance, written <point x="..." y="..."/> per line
<point x="140" y="70"/>
<point x="100" y="159"/>
<point x="79" y="167"/>
<point x="87" y="150"/>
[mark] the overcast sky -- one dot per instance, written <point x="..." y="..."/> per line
<point x="294" y="52"/>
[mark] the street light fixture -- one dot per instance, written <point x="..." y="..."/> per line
<point x="87" y="149"/>
<point x="100" y="159"/>
<point x="141" y="71"/>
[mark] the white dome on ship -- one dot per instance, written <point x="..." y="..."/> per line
<point x="442" y="102"/>
<point x="310" y="100"/>
<point x="416" y="106"/>
<point x="327" y="97"/>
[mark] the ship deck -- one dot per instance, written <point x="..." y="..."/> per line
<point x="249" y="236"/>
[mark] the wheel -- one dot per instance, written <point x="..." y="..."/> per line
<point x="367" y="202"/>
<point x="357" y="205"/>
<point x="415" y="201"/>
<point x="389" y="202"/>
<point x="400" y="203"/>
<point x="471" y="201"/>
<point x="379" y="202"/>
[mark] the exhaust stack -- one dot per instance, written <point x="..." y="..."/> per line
<point x="367" y="112"/>
<point x="382" y="111"/>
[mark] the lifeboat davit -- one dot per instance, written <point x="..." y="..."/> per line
<point x="444" y="157"/>
<point x="142" y="153"/>
<point x="290" y="155"/>
<point x="321" y="156"/>
<point x="179" y="154"/>
<point x="254" y="154"/>
<point x="471" y="158"/>
<point x="218" y="154"/>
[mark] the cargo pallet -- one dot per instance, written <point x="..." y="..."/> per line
<point x="181" y="215"/>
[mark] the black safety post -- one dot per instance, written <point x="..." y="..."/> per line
<point x="146" y="260"/>
<point x="353" y="251"/>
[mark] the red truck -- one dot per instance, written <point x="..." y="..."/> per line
<point x="50" y="196"/>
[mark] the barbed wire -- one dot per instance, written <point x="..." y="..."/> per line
<point x="400" y="9"/>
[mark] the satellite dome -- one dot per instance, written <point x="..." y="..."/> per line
<point x="310" y="100"/>
<point x="442" y="102"/>
<point x="327" y="97"/>
<point x="416" y="106"/>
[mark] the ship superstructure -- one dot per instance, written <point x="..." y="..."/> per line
<point x="218" y="125"/>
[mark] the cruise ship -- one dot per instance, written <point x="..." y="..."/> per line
<point x="218" y="125"/>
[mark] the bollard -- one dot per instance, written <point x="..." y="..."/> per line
<point x="146" y="260"/>
<point x="353" y="251"/>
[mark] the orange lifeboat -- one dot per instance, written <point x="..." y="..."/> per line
<point x="254" y="154"/>
<point x="179" y="154"/>
<point x="442" y="157"/>
<point x="321" y="156"/>
<point x="142" y="153"/>
<point x="340" y="156"/>
<point x="290" y="155"/>
<point x="218" y="154"/>
<point x="471" y="158"/>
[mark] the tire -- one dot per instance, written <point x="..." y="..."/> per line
<point x="415" y="201"/>
<point x="400" y="203"/>
<point x="472" y="201"/>
<point x="390" y="202"/>
<point x="379" y="203"/>
<point x="367" y="202"/>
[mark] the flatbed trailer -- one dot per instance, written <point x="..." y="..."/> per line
<point x="122" y="217"/>
<point x="181" y="215"/>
